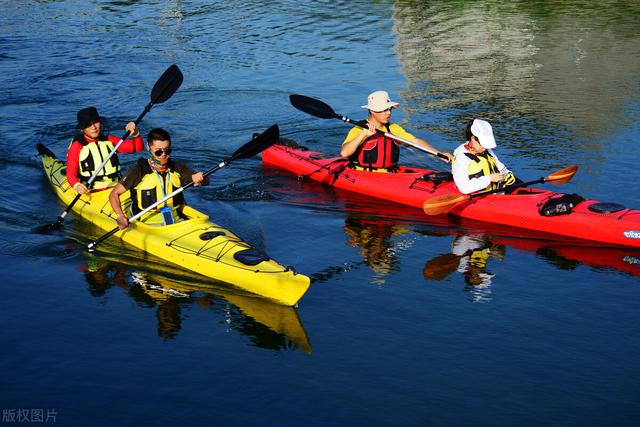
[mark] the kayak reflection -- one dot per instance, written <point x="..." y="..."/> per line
<point x="154" y="284"/>
<point x="471" y="253"/>
<point x="383" y="230"/>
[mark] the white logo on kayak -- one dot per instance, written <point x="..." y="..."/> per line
<point x="631" y="234"/>
<point x="631" y="260"/>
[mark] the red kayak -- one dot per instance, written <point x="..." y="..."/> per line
<point x="605" y="223"/>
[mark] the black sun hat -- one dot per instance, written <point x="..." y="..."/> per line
<point x="86" y="116"/>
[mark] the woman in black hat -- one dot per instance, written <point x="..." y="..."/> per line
<point x="89" y="149"/>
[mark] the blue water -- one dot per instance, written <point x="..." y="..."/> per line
<point x="395" y="329"/>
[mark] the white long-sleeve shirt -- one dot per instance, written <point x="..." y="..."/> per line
<point x="460" y="171"/>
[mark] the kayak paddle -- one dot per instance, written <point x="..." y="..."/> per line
<point x="441" y="266"/>
<point x="166" y="86"/>
<point x="442" y="204"/>
<point x="256" y="145"/>
<point x="317" y="108"/>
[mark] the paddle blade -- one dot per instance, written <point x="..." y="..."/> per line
<point x="441" y="266"/>
<point x="312" y="106"/>
<point x="442" y="204"/>
<point x="44" y="151"/>
<point x="258" y="144"/>
<point x="48" y="228"/>
<point x="57" y="224"/>
<point x="562" y="176"/>
<point x="166" y="85"/>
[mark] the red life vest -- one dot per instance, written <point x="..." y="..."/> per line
<point x="377" y="152"/>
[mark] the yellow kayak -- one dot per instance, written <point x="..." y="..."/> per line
<point x="195" y="243"/>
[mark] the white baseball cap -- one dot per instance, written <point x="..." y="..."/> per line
<point x="379" y="101"/>
<point x="482" y="130"/>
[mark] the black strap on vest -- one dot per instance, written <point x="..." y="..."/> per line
<point x="353" y="159"/>
<point x="145" y="169"/>
<point x="472" y="157"/>
<point x="476" y="158"/>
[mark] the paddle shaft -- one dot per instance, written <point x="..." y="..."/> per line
<point x="508" y="187"/>
<point x="320" y="109"/>
<point x="364" y="125"/>
<point x="444" y="203"/>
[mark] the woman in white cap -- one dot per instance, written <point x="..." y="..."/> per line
<point x="369" y="150"/>
<point x="475" y="166"/>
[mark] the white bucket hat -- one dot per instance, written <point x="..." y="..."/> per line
<point x="482" y="130"/>
<point x="379" y="101"/>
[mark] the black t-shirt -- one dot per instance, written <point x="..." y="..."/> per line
<point x="141" y="168"/>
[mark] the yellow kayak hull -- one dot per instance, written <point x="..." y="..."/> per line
<point x="194" y="243"/>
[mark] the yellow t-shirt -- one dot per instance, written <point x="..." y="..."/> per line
<point x="395" y="129"/>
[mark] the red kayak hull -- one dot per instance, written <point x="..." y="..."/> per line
<point x="407" y="187"/>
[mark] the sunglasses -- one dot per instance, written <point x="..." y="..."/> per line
<point x="159" y="152"/>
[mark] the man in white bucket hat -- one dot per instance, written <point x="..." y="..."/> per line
<point x="375" y="152"/>
<point x="475" y="166"/>
<point x="379" y="101"/>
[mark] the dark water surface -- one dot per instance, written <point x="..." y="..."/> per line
<point x="396" y="329"/>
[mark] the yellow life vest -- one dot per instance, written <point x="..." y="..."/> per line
<point x="91" y="157"/>
<point x="484" y="165"/>
<point x="155" y="186"/>
<point x="479" y="258"/>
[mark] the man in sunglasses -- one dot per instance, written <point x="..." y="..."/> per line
<point x="89" y="148"/>
<point x="153" y="178"/>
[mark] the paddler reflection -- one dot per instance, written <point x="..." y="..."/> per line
<point x="172" y="292"/>
<point x="374" y="238"/>
<point x="103" y="275"/>
<point x="470" y="254"/>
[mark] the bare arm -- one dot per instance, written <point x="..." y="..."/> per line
<point x="116" y="205"/>
<point x="430" y="147"/>
<point x="349" y="147"/>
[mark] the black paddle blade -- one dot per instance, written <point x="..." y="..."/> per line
<point x="166" y="85"/>
<point x="44" y="151"/>
<point x="312" y="106"/>
<point x="258" y="144"/>
<point x="48" y="228"/>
